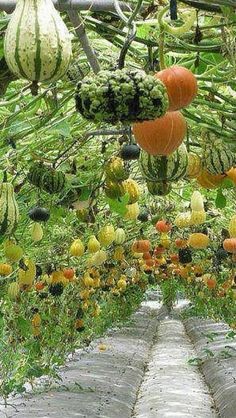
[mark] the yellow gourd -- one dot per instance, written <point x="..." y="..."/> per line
<point x="183" y="220"/>
<point x="97" y="259"/>
<point x="132" y="188"/>
<point x="26" y="277"/>
<point x="36" y="232"/>
<point x="119" y="254"/>
<point x="93" y="244"/>
<point x="198" y="217"/>
<point x="197" y="203"/>
<point x="194" y="165"/>
<point x="165" y="240"/>
<point x="5" y="269"/>
<point x="232" y="227"/>
<point x="13" y="290"/>
<point x="106" y="235"/>
<point x="12" y="251"/>
<point x="198" y="241"/>
<point x="77" y="248"/>
<point x="132" y="211"/>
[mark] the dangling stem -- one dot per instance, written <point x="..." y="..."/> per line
<point x="161" y="50"/>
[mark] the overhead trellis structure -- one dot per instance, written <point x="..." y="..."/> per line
<point x="210" y="5"/>
<point x="80" y="5"/>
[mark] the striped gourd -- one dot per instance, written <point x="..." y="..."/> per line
<point x="161" y="188"/>
<point x="50" y="180"/>
<point x="162" y="168"/>
<point x="37" y="43"/>
<point x="9" y="212"/>
<point x="217" y="158"/>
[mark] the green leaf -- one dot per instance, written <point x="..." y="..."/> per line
<point x="62" y="128"/>
<point x="227" y="184"/>
<point x="220" y="201"/>
<point x="85" y="194"/>
<point x="119" y="205"/>
<point x="24" y="326"/>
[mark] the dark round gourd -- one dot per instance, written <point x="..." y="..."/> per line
<point x="185" y="255"/>
<point x="143" y="216"/>
<point x="130" y="152"/>
<point x="38" y="214"/>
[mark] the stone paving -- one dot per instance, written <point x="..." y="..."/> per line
<point x="144" y="372"/>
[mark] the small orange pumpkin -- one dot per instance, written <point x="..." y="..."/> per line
<point x="141" y="246"/>
<point x="229" y="245"/>
<point x="147" y="256"/>
<point x="68" y="273"/>
<point x="181" y="243"/>
<point x="161" y="136"/>
<point x="181" y="85"/>
<point x="163" y="226"/>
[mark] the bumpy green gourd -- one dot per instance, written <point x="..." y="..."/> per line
<point x="37" y="43"/>
<point x="121" y="95"/>
<point x="217" y="158"/>
<point x="160" y="168"/>
<point x="9" y="212"/>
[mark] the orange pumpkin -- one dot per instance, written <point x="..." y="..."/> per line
<point x="159" y="250"/>
<point x="181" y="85"/>
<point x="161" y="136"/>
<point x="211" y="283"/>
<point x="68" y="273"/>
<point x="163" y="226"/>
<point x="229" y="245"/>
<point x="141" y="246"/>
<point x="39" y="286"/>
<point x="147" y="256"/>
<point x="150" y="262"/>
<point x="210" y="181"/>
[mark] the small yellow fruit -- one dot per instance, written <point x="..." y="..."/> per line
<point x="36" y="232"/>
<point x="5" y="269"/>
<point x="198" y="217"/>
<point x="12" y="252"/>
<point x="93" y="244"/>
<point x="77" y="248"/>
<point x="13" y="290"/>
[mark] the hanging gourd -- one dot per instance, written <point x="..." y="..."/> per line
<point x="217" y="157"/>
<point x="12" y="251"/>
<point x="5" y="269"/>
<point x="9" y="212"/>
<point x="198" y="217"/>
<point x="194" y="165"/>
<point x="141" y="246"/>
<point x="163" y="226"/>
<point x="77" y="248"/>
<point x="232" y="227"/>
<point x="197" y="201"/>
<point x="129" y="152"/>
<point x="120" y="236"/>
<point x="198" y="241"/>
<point x="132" y="188"/>
<point x="132" y="211"/>
<point x="114" y="189"/>
<point x="46" y="178"/>
<point x="121" y="96"/>
<point x="93" y="244"/>
<point x="161" y="188"/>
<point x="164" y="168"/>
<point x="119" y="254"/>
<point x="181" y="86"/>
<point x="97" y="259"/>
<point x="229" y="245"/>
<point x="27" y="275"/>
<point x="37" y="43"/>
<point x="210" y="181"/>
<point x="36" y="232"/>
<point x="161" y="136"/>
<point x="13" y="290"/>
<point x="183" y="220"/>
<point x="165" y="240"/>
<point x="115" y="170"/>
<point x="106" y="235"/>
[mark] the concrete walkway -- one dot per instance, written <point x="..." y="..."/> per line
<point x="142" y="372"/>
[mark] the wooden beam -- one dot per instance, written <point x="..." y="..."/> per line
<point x="210" y="5"/>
